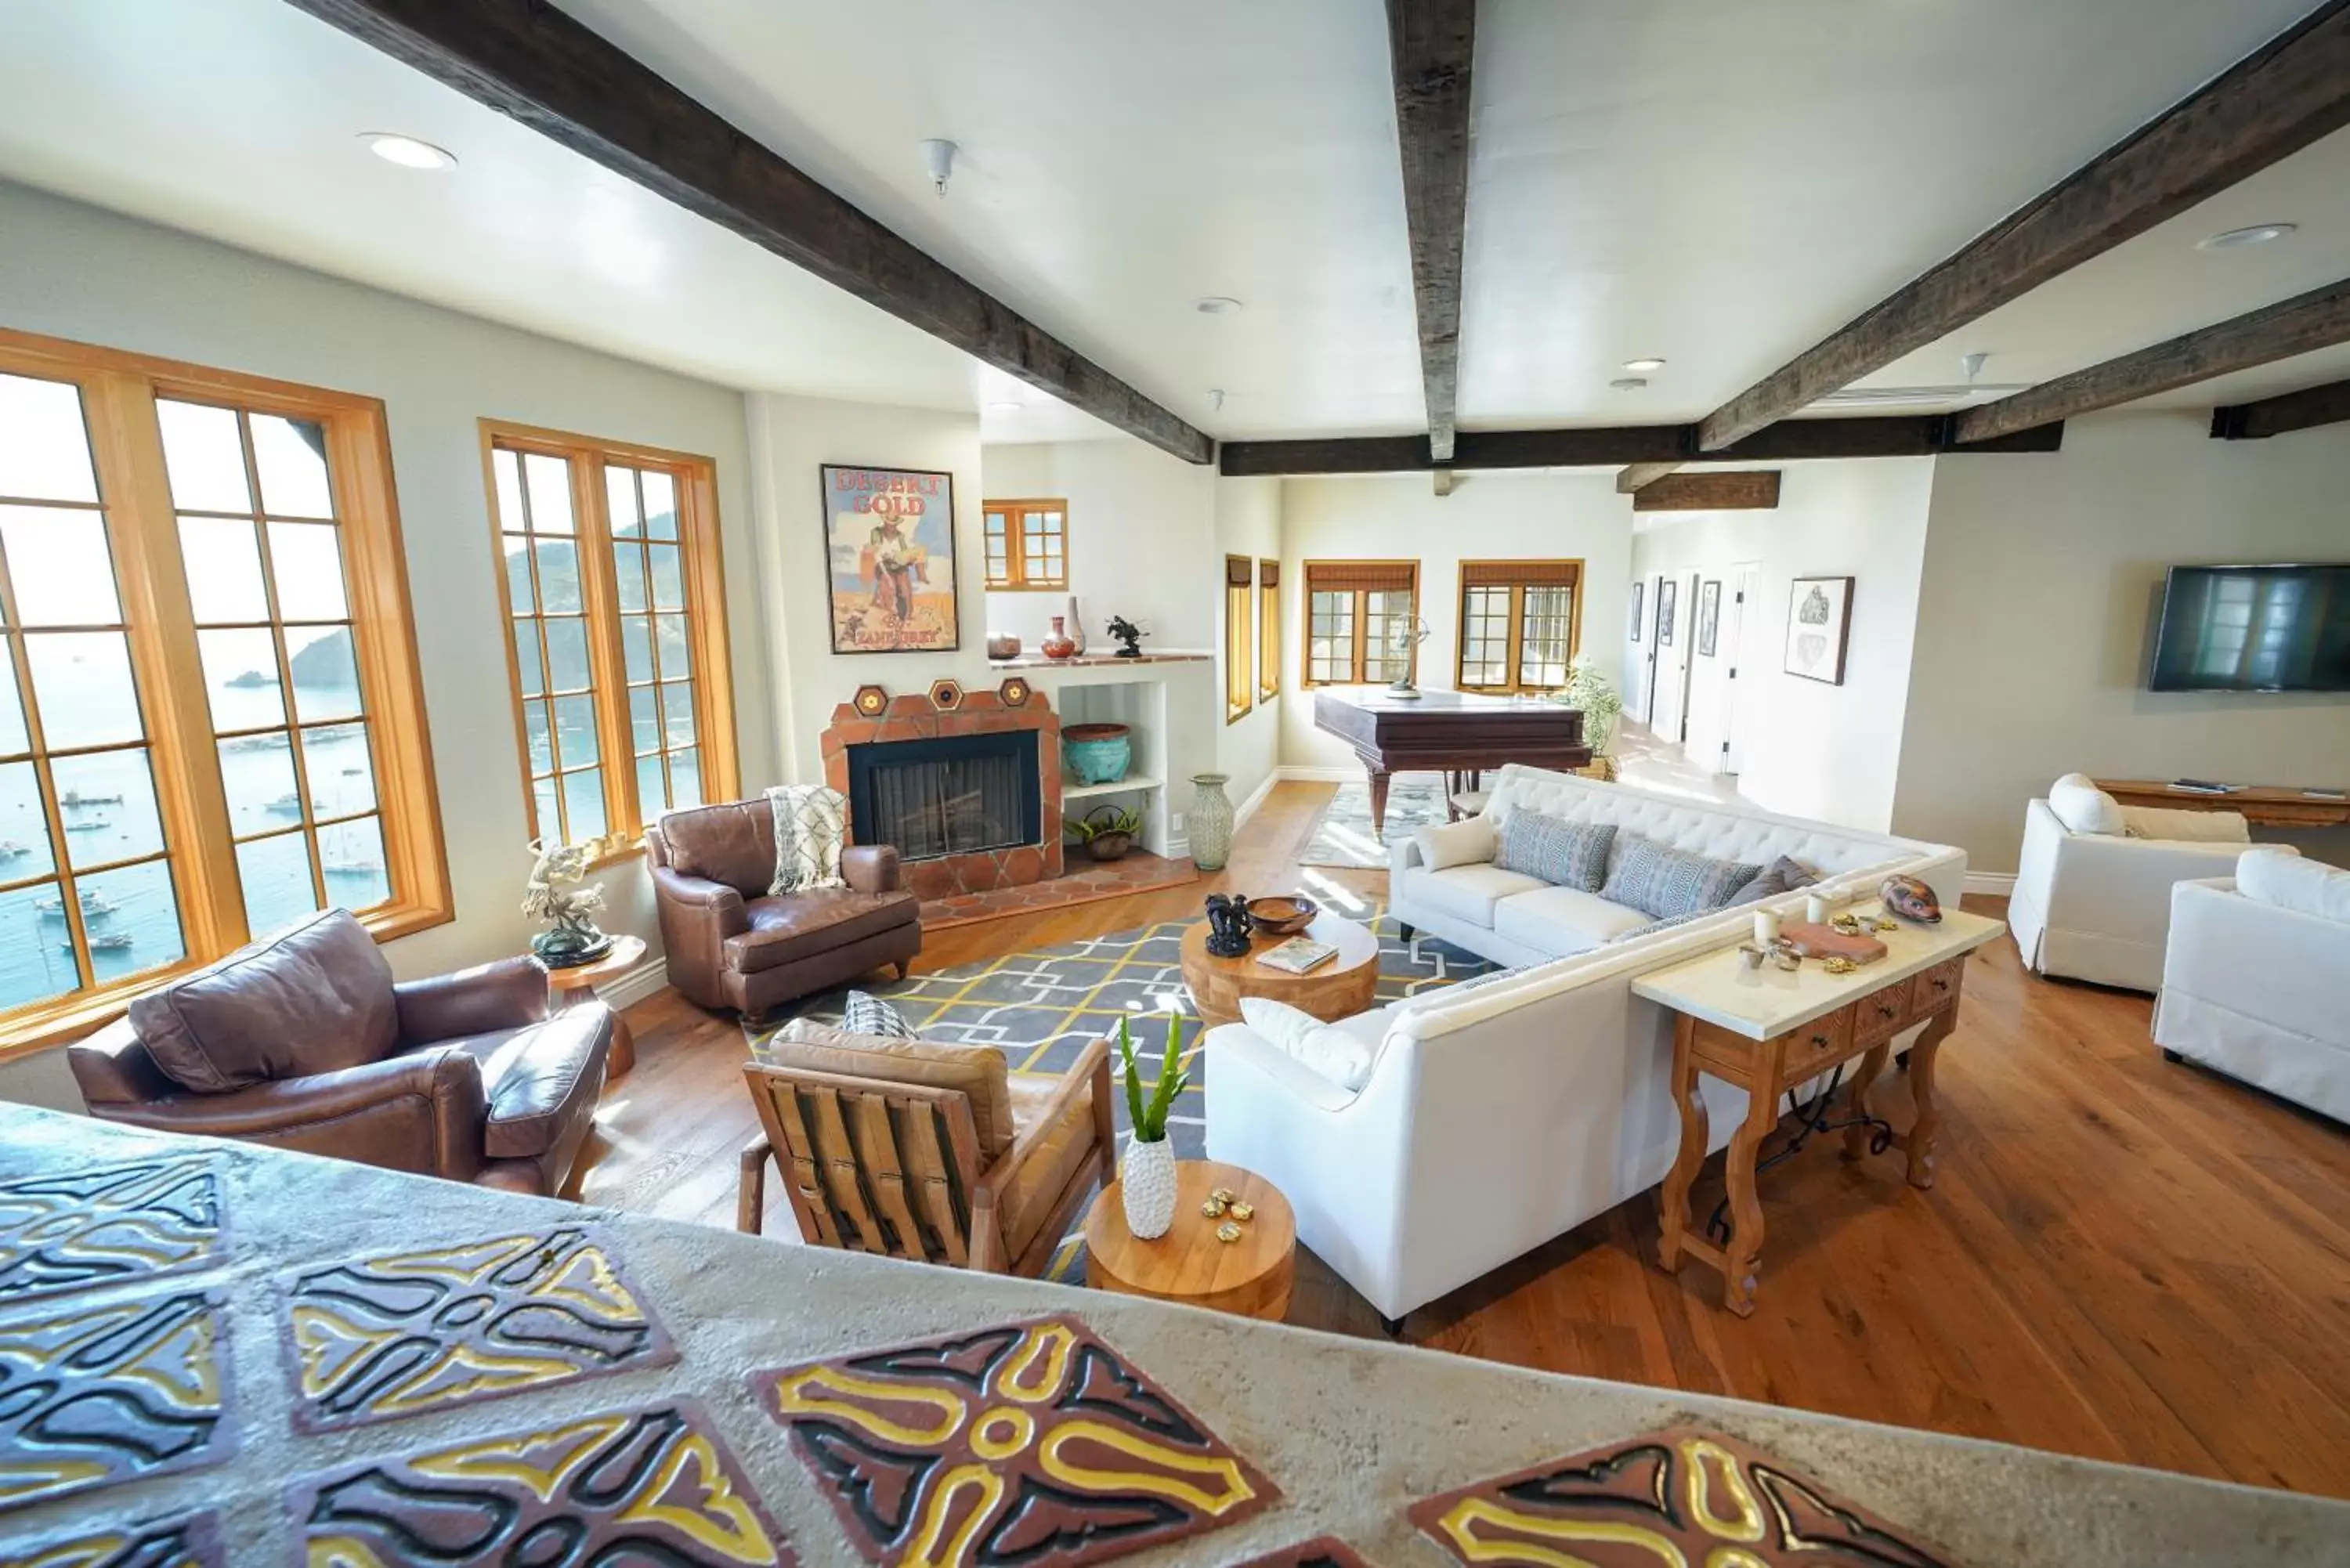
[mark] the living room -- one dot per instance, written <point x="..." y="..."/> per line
<point x="626" y="696"/>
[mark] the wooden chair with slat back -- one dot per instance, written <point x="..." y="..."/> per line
<point x="874" y="1165"/>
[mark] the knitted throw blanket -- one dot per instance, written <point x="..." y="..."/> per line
<point x="811" y="828"/>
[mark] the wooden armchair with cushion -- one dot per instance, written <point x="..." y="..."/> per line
<point x="927" y="1151"/>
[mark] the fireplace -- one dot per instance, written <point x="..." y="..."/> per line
<point x="958" y="794"/>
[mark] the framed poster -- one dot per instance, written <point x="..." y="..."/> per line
<point x="1636" y="610"/>
<point x="1819" y="624"/>
<point x="1668" y="601"/>
<point x="889" y="558"/>
<point x="1708" y="615"/>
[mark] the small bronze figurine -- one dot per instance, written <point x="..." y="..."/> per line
<point x="1129" y="635"/>
<point x="1228" y="926"/>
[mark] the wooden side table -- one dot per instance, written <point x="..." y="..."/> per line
<point x="569" y="987"/>
<point x="1250" y="1277"/>
<point x="1769" y="1031"/>
<point x="1340" y="988"/>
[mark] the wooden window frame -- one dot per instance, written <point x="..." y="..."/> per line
<point x="702" y="567"/>
<point x="1360" y="663"/>
<point x="1268" y="630"/>
<point x="1515" y="657"/>
<point x="1240" y="638"/>
<point x="118" y="393"/>
<point x="1016" y="578"/>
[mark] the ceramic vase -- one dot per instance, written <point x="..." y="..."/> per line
<point x="1060" y="645"/>
<point x="1146" y="1180"/>
<point x="1098" y="754"/>
<point x="1211" y="827"/>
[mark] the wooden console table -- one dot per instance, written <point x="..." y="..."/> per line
<point x="1772" y="1030"/>
<point x="2261" y="805"/>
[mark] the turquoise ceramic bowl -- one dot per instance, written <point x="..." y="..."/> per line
<point x="1098" y="754"/>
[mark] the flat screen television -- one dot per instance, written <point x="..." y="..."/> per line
<point x="2254" y="629"/>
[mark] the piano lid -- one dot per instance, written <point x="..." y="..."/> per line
<point x="1379" y="700"/>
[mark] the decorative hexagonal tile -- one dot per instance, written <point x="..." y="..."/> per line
<point x="1028" y="1443"/>
<point x="1322" y="1552"/>
<point x="117" y="1224"/>
<point x="1685" y="1494"/>
<point x="108" y="1392"/>
<point x="870" y="701"/>
<point x="191" y="1542"/>
<point x="1014" y="692"/>
<point x="946" y="696"/>
<point x="400" y="1333"/>
<point x="651" y="1485"/>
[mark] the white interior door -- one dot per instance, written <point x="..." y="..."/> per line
<point x="1738" y="621"/>
<point x="1669" y="684"/>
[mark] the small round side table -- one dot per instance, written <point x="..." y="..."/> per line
<point x="569" y="987"/>
<point x="1249" y="1278"/>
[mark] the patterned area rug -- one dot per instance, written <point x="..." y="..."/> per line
<point x="1344" y="835"/>
<point x="1041" y="1008"/>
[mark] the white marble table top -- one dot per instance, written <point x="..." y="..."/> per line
<point x="1762" y="1002"/>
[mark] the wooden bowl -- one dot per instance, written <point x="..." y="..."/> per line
<point x="1283" y="917"/>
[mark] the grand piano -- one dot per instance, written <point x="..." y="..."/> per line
<point x="1446" y="732"/>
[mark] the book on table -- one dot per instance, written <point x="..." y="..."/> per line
<point x="1297" y="955"/>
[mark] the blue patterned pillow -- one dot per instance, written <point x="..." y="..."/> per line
<point x="1670" y="883"/>
<point x="1563" y="854"/>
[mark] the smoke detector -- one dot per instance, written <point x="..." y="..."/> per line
<point x="938" y="162"/>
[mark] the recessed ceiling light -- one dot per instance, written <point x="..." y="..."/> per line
<point x="1644" y="365"/>
<point x="2256" y="235"/>
<point x="1216" y="305"/>
<point x="407" y="151"/>
<point x="1627" y="383"/>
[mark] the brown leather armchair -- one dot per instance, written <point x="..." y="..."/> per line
<point x="733" y="944"/>
<point x="303" y="1042"/>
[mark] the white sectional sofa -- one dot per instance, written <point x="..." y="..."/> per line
<point x="1498" y="1115"/>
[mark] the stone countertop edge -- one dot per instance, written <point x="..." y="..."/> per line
<point x="1352" y="1431"/>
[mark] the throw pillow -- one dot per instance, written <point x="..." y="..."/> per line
<point x="1321" y="1048"/>
<point x="978" y="1071"/>
<point x="1452" y="844"/>
<point x="2276" y="873"/>
<point x="1784" y="875"/>
<point x="811" y="830"/>
<point x="1669" y="883"/>
<point x="1563" y="854"/>
<point x="2082" y="807"/>
<point x="868" y="1014"/>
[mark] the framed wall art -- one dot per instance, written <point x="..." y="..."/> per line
<point x="1819" y="625"/>
<point x="890" y="559"/>
<point x="1636" y="588"/>
<point x="1668" y="593"/>
<point x="1708" y="615"/>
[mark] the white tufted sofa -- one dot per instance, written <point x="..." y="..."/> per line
<point x="1498" y="1115"/>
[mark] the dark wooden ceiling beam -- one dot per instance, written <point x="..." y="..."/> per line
<point x="529" y="61"/>
<point x="2325" y="405"/>
<point x="2307" y="322"/>
<point x="1430" y="44"/>
<point x="1640" y="476"/>
<point x="2276" y="102"/>
<point x="1608" y="446"/>
<point x="1727" y="490"/>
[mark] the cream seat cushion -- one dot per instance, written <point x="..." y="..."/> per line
<point x="1469" y="892"/>
<point x="2179" y="826"/>
<point x="978" y="1071"/>
<point x="1561" y="921"/>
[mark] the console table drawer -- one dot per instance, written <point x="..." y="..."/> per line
<point x="1881" y="1015"/>
<point x="1936" y="987"/>
<point x="1818" y="1044"/>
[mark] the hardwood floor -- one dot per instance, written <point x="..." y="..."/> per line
<point x="2121" y="1258"/>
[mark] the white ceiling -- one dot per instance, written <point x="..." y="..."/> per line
<point x="1718" y="184"/>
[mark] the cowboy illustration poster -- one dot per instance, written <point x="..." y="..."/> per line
<point x="891" y="556"/>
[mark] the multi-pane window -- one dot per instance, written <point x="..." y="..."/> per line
<point x="1268" y="630"/>
<point x="1361" y="621"/>
<point x="1240" y="681"/>
<point x="1027" y="543"/>
<point x="1518" y="624"/>
<point x="210" y="723"/>
<point x="613" y="584"/>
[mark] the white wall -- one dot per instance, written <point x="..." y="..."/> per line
<point x="791" y="440"/>
<point x="1811" y="749"/>
<point x="1488" y="516"/>
<point x="73" y="271"/>
<point x="1248" y="522"/>
<point x="2042" y="577"/>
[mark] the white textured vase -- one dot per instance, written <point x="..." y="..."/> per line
<point x="1147" y="1184"/>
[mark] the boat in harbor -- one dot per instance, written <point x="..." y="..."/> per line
<point x="112" y="942"/>
<point x="12" y="850"/>
<point x="74" y="800"/>
<point x="90" y="825"/>
<point x="94" y="905"/>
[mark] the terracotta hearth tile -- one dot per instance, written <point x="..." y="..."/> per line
<point x="928" y="879"/>
<point x="1023" y="865"/>
<point x="1055" y="861"/>
<point x="895" y="729"/>
<point x="118" y="1224"/>
<point x="913" y="706"/>
<point x="1139" y="872"/>
<point x="983" y="701"/>
<point x="835" y="774"/>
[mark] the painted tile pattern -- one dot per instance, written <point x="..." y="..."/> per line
<point x="1031" y="1443"/>
<point x="402" y="1332"/>
<point x="654" y="1485"/>
<point x="1322" y="1552"/>
<point x="192" y="1542"/>
<point x="1683" y="1495"/>
<point x="111" y="1392"/>
<point x="113" y="1225"/>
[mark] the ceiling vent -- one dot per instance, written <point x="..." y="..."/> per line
<point x="1851" y="398"/>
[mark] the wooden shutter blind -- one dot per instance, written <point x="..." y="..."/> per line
<point x="1361" y="576"/>
<point x="1236" y="571"/>
<point x="1511" y="574"/>
<point x="1268" y="574"/>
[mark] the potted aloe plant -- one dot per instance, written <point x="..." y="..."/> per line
<point x="1146" y="1175"/>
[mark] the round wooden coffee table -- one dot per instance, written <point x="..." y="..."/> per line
<point x="567" y="986"/>
<point x="1337" y="989"/>
<point x="1249" y="1278"/>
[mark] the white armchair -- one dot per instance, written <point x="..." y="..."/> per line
<point x="2097" y="906"/>
<point x="2259" y="992"/>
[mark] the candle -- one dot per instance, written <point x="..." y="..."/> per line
<point x="1815" y="908"/>
<point x="1767" y="926"/>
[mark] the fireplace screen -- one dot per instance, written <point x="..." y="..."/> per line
<point x="958" y="796"/>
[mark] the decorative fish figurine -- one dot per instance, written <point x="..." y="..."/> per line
<point x="1912" y="899"/>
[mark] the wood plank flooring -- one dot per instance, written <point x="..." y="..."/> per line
<point x="2121" y="1258"/>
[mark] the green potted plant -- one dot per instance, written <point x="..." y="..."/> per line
<point x="1106" y="831"/>
<point x="1147" y="1174"/>
<point x="1589" y="691"/>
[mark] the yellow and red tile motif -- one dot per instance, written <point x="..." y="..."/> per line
<point x="391" y="1335"/>
<point x="1030" y="1443"/>
<point x="652" y="1486"/>
<point x="111" y="1393"/>
<point x="115" y="1225"/>
<point x="1680" y="1496"/>
<point x="192" y="1542"/>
